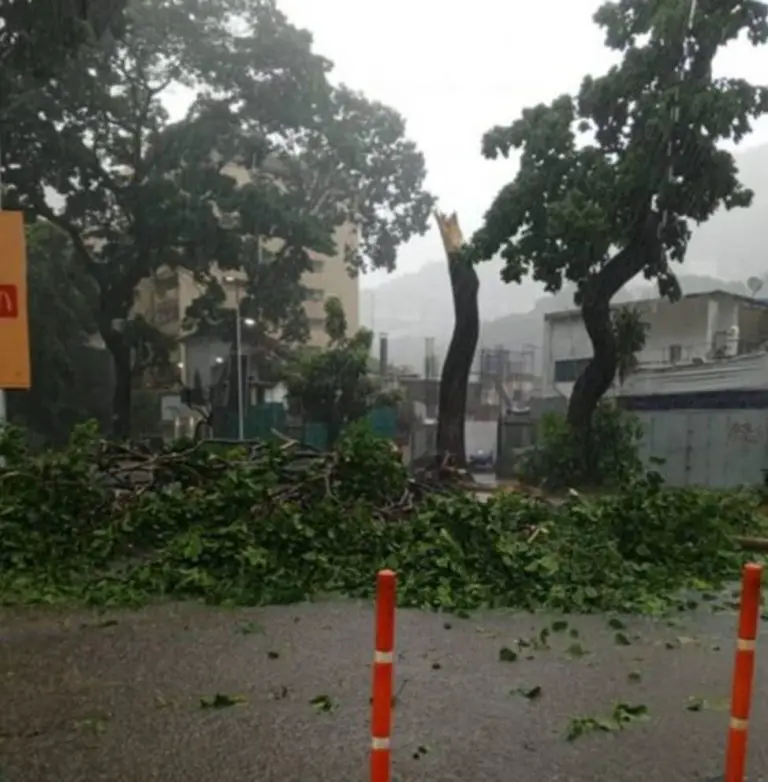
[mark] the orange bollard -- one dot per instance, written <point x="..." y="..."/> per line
<point x="744" y="667"/>
<point x="383" y="664"/>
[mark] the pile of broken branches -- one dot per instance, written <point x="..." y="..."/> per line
<point x="285" y="471"/>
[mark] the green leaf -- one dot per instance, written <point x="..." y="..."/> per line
<point x="507" y="655"/>
<point x="625" y="713"/>
<point x="249" y="628"/>
<point x="322" y="704"/>
<point x="220" y="701"/>
<point x="621" y="639"/>
<point x="531" y="693"/>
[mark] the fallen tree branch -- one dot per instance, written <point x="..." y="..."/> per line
<point x="758" y="545"/>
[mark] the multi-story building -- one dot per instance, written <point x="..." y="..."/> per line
<point x="715" y="341"/>
<point x="164" y="300"/>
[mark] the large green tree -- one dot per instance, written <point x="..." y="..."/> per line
<point x="141" y="191"/>
<point x="612" y="178"/>
<point x="353" y="165"/>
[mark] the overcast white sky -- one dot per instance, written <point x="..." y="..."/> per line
<point x="454" y="71"/>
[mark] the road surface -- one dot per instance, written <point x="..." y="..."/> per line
<point x="116" y="697"/>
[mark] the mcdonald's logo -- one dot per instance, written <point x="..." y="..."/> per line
<point x="9" y="301"/>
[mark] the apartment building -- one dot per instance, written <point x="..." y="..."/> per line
<point x="164" y="300"/>
<point x="714" y="340"/>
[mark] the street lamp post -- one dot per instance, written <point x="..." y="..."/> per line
<point x="239" y="322"/>
<point x="238" y="350"/>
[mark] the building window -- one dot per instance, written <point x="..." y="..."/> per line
<point x="675" y="353"/>
<point x="568" y="370"/>
<point x="315" y="294"/>
<point x="316" y="267"/>
<point x="316" y="323"/>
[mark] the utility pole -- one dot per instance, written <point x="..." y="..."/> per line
<point x="238" y="350"/>
<point x="430" y="375"/>
<point x="373" y="313"/>
<point x="240" y="321"/>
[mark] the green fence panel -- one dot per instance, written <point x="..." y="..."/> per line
<point x="315" y="435"/>
<point x="262" y="421"/>
<point x="258" y="423"/>
<point x="383" y="421"/>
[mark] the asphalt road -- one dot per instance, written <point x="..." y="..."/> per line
<point x="117" y="697"/>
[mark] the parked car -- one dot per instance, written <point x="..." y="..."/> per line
<point x="481" y="461"/>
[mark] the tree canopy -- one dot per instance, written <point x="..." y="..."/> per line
<point x="612" y="178"/>
<point x="143" y="190"/>
<point x="34" y="44"/>
<point x="333" y="386"/>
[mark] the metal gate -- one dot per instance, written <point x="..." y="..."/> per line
<point x="716" y="448"/>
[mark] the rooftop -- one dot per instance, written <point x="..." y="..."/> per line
<point x="713" y="294"/>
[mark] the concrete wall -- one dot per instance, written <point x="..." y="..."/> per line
<point x="718" y="448"/>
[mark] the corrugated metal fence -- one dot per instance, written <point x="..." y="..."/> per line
<point x="696" y="447"/>
<point x="717" y="448"/>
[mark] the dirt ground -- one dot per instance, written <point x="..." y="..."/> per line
<point x="116" y="697"/>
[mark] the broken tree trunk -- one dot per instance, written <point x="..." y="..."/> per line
<point x="454" y="378"/>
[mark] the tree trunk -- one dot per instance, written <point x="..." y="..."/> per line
<point x="461" y="352"/>
<point x="121" y="395"/>
<point x="595" y="302"/>
<point x="598" y="375"/>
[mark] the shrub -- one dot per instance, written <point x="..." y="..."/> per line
<point x="558" y="458"/>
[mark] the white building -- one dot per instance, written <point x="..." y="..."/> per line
<point x="706" y="342"/>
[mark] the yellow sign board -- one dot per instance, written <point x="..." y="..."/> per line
<point x="14" y="321"/>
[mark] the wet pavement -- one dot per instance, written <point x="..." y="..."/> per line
<point x="116" y="697"/>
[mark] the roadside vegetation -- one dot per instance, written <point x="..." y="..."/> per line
<point x="279" y="523"/>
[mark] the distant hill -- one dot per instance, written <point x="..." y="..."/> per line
<point x="723" y="254"/>
<point x="524" y="331"/>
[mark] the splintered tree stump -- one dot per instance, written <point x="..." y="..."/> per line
<point x="461" y="351"/>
